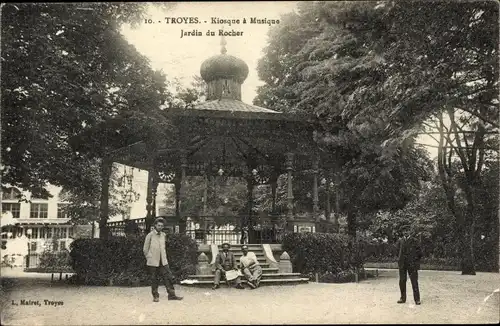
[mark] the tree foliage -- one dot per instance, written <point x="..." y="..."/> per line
<point x="319" y="61"/>
<point x="67" y="69"/>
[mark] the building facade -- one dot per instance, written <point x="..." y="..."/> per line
<point x="45" y="225"/>
<point x="42" y="221"/>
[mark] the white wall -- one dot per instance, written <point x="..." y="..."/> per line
<point x="140" y="185"/>
<point x="24" y="214"/>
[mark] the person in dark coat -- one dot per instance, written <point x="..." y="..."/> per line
<point x="410" y="254"/>
<point x="225" y="261"/>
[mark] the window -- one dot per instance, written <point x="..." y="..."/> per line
<point x="57" y="233"/>
<point x="34" y="233"/>
<point x="70" y="232"/>
<point x="14" y="208"/>
<point x="64" y="233"/>
<point x="56" y="246"/>
<point x="62" y="245"/>
<point x="33" y="246"/>
<point x="10" y="194"/>
<point x="42" y="233"/>
<point x="62" y="210"/>
<point x="127" y="213"/>
<point x="49" y="233"/>
<point x="39" y="210"/>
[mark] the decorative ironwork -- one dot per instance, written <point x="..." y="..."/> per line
<point x="166" y="177"/>
<point x="262" y="174"/>
<point x="166" y="172"/>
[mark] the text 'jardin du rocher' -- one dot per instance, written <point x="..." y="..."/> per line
<point x="214" y="20"/>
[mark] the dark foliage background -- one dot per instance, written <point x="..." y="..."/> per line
<point x="97" y="261"/>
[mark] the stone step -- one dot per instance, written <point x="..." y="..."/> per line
<point x="259" y="259"/>
<point x="262" y="264"/>
<point x="265" y="276"/>
<point x="233" y="246"/>
<point x="277" y="281"/>
<point x="238" y="250"/>
<point x="258" y="254"/>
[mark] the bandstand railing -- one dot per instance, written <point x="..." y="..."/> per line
<point x="214" y="229"/>
<point x="117" y="228"/>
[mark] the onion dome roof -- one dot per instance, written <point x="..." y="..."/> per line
<point x="224" y="66"/>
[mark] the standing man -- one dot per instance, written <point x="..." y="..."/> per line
<point x="224" y="262"/>
<point x="251" y="268"/>
<point x="156" y="256"/>
<point x="409" y="263"/>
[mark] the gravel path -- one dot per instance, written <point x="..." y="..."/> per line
<point x="447" y="297"/>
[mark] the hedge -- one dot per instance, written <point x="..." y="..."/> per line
<point x="120" y="260"/>
<point x="332" y="256"/>
<point x="383" y="252"/>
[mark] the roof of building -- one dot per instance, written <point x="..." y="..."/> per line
<point x="224" y="66"/>
<point x="231" y="106"/>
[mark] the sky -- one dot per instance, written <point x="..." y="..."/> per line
<point x="181" y="58"/>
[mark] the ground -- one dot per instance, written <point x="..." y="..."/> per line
<point x="447" y="297"/>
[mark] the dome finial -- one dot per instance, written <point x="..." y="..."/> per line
<point x="223" y="45"/>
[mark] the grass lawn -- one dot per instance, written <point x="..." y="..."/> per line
<point x="447" y="297"/>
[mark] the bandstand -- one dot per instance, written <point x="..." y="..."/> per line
<point x="225" y="137"/>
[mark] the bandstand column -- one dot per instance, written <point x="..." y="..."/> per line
<point x="177" y="186"/>
<point x="205" y="193"/>
<point x="289" y="197"/>
<point x="150" y="195"/>
<point x="315" y="199"/>
<point x="154" y="192"/>
<point x="328" y="208"/>
<point x="181" y="191"/>
<point x="250" y="187"/>
<point x="274" y="186"/>
<point x="106" y="167"/>
<point x="337" y="196"/>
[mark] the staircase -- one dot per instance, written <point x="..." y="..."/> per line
<point x="270" y="275"/>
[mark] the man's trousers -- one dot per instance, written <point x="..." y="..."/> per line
<point x="253" y="274"/>
<point x="218" y="276"/>
<point x="413" y="272"/>
<point x="167" y="278"/>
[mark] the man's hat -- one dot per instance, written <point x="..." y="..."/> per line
<point x="226" y="244"/>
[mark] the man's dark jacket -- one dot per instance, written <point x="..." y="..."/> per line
<point x="410" y="253"/>
<point x="225" y="262"/>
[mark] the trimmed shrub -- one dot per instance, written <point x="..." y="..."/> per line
<point x="322" y="253"/>
<point x="121" y="261"/>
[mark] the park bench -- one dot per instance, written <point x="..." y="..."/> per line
<point x="52" y="271"/>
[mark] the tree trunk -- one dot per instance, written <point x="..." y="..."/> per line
<point x="106" y="168"/>
<point x="467" y="238"/>
<point x="464" y="222"/>
<point x="351" y="224"/>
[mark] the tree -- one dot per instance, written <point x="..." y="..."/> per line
<point x="66" y="69"/>
<point x="371" y="69"/>
<point x="315" y="64"/>
<point x="83" y="197"/>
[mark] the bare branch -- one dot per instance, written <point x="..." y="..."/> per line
<point x="459" y="150"/>
<point x="480" y="116"/>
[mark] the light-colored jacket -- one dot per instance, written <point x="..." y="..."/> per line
<point x="249" y="260"/>
<point x="155" y="248"/>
